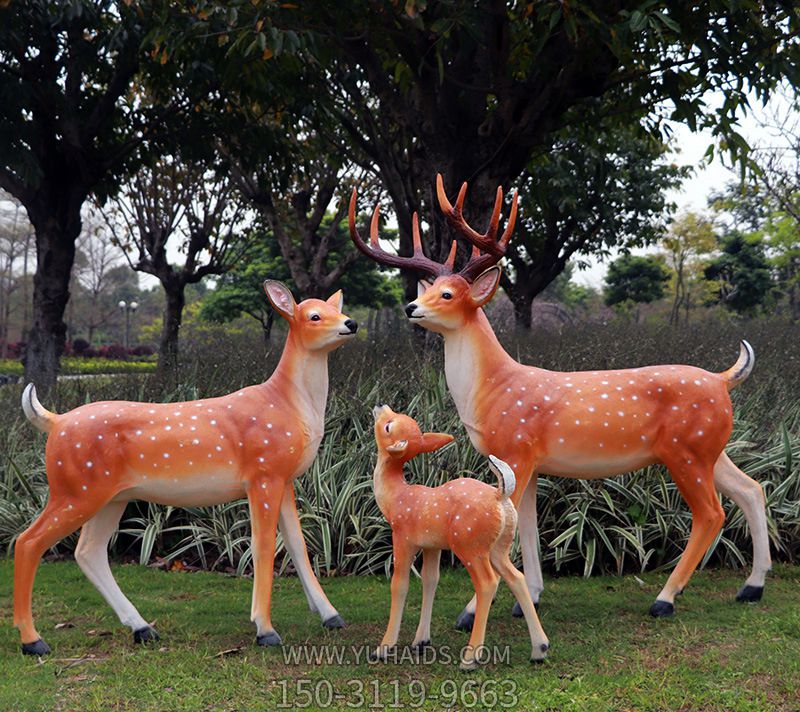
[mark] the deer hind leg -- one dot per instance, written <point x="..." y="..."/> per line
<point x="501" y="561"/>
<point x="529" y="542"/>
<point x="403" y="558"/>
<point x="296" y="546"/>
<point x="430" y="579"/>
<point x="60" y="517"/>
<point x="92" y="556"/>
<point x="695" y="481"/>
<point x="523" y="463"/>
<point x="485" y="581"/>
<point x="264" y="497"/>
<point x="748" y="495"/>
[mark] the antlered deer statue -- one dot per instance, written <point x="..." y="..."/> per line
<point x="251" y="443"/>
<point x="586" y="424"/>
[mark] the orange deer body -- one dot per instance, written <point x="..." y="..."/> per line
<point x="251" y="443"/>
<point x="475" y="521"/>
<point x="590" y="424"/>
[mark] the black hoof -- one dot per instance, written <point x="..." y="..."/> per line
<point x="334" y="622"/>
<point x="419" y="647"/>
<point x="145" y="635"/>
<point x="465" y="620"/>
<point x="379" y="655"/>
<point x="270" y="639"/>
<point x="37" y="647"/>
<point x="662" y="609"/>
<point x="750" y="594"/>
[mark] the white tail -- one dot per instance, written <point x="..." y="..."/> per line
<point x="35" y="411"/>
<point x="742" y="368"/>
<point x="505" y="476"/>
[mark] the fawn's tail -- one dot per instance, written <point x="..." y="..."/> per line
<point x="505" y="476"/>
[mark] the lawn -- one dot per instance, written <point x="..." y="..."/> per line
<point x="606" y="652"/>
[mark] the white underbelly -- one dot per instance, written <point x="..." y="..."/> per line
<point x="199" y="490"/>
<point x="583" y="468"/>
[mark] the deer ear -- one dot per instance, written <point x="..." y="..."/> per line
<point x="484" y="286"/>
<point x="434" y="441"/>
<point x="336" y="300"/>
<point x="422" y="287"/>
<point x="280" y="296"/>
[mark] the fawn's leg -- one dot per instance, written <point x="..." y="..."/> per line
<point x="695" y="481"/>
<point x="516" y="582"/>
<point x="92" y="556"/>
<point x="403" y="558"/>
<point x="296" y="546"/>
<point x="430" y="579"/>
<point x="748" y="494"/>
<point x="485" y="581"/>
<point x="523" y="460"/>
<point x="264" y="495"/>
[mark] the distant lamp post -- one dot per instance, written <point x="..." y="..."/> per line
<point x="128" y="308"/>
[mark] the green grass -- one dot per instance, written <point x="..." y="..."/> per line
<point x="606" y="652"/>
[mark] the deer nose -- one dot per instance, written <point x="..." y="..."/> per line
<point x="352" y="324"/>
<point x="410" y="309"/>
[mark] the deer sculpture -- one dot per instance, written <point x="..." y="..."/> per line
<point x="476" y="521"/>
<point x="251" y="443"/>
<point x="586" y="424"/>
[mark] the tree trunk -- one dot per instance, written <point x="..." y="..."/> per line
<point x="523" y="304"/>
<point x="55" y="254"/>
<point x="167" y="368"/>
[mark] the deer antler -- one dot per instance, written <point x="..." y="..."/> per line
<point x="418" y="262"/>
<point x="486" y="249"/>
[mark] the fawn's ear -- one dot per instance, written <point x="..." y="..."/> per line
<point x="280" y="296"/>
<point x="434" y="441"/>
<point x="422" y="287"/>
<point x="336" y="300"/>
<point x="397" y="447"/>
<point x="484" y="286"/>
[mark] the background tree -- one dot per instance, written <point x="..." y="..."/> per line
<point x="633" y="279"/>
<point x="475" y="88"/>
<point x="16" y="253"/>
<point x="690" y="238"/>
<point x="66" y="129"/>
<point x="174" y="208"/>
<point x="742" y="272"/>
<point x="588" y="194"/>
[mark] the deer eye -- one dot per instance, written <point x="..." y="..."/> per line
<point x="447" y="295"/>
<point x="315" y="317"/>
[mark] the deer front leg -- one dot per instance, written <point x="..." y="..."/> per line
<point x="403" y="558"/>
<point x="529" y="542"/>
<point x="264" y="497"/>
<point x="296" y="546"/>
<point x="430" y="579"/>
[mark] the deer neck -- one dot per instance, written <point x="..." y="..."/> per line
<point x="388" y="483"/>
<point x="301" y="377"/>
<point x="473" y="357"/>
